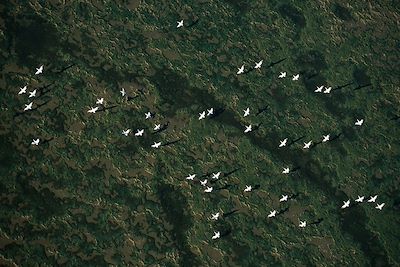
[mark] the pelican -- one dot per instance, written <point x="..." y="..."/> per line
<point x="282" y="75"/>
<point x="240" y="70"/>
<point x="157" y="127"/>
<point x="28" y="107"/>
<point x="258" y="65"/>
<point x="190" y="177"/>
<point x="372" y="198"/>
<point x="202" y="115"/>
<point x="248" y="129"/>
<point x="139" y="132"/>
<point x="359" y="122"/>
<point x="296" y="77"/>
<point x="319" y="89"/>
<point x="283" y="198"/>
<point x="283" y="142"/>
<point x="215" y="216"/>
<point x="307" y="145"/>
<point x="346" y="204"/>
<point x="327" y="90"/>
<point x="360" y="199"/>
<point x="248" y="188"/>
<point x="100" y="101"/>
<point x="216" y="235"/>
<point x="39" y="70"/>
<point x="123" y="92"/>
<point x="380" y="206"/>
<point x="285" y="170"/>
<point x="216" y="175"/>
<point x="203" y="183"/>
<point x="148" y="115"/>
<point x="35" y="142"/>
<point x="32" y="94"/>
<point x="126" y="132"/>
<point x="156" y="145"/>
<point x="93" y="110"/>
<point x="302" y="224"/>
<point x="208" y="189"/>
<point x="180" y="24"/>
<point x="210" y="111"/>
<point x="325" y="138"/>
<point x="246" y="112"/>
<point x="272" y="214"/>
<point x="22" y="90"/>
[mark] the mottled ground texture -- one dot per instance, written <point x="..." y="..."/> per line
<point x="89" y="196"/>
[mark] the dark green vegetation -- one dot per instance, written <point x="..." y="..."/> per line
<point x="92" y="197"/>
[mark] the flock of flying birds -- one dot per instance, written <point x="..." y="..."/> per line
<point x="209" y="112"/>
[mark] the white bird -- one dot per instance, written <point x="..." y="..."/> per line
<point x="216" y="175"/>
<point x="360" y="199"/>
<point x="156" y="145"/>
<point x="248" y="188"/>
<point x="246" y="112"/>
<point x="100" y="101"/>
<point x="123" y="92"/>
<point x="210" y="111"/>
<point x="272" y="214"/>
<point x="240" y="70"/>
<point x="327" y="90"/>
<point x="380" y="206"/>
<point x="258" y="65"/>
<point x="202" y="115"/>
<point x="215" y="216"/>
<point x="285" y="170"/>
<point x="126" y="132"/>
<point x="93" y="110"/>
<point x="296" y="77"/>
<point x="39" y="70"/>
<point x="180" y="24"/>
<point x="148" y="115"/>
<point x="359" y="122"/>
<point x="346" y="204"/>
<point x="372" y="198"/>
<point x="28" y="106"/>
<point x="216" y="235"/>
<point x="35" y="142"/>
<point x="283" y="198"/>
<point x="307" y="145"/>
<point x="319" y="89"/>
<point x="283" y="142"/>
<point x="190" y="177"/>
<point x="32" y="94"/>
<point x="139" y="132"/>
<point x="203" y="183"/>
<point x="248" y="129"/>
<point x="208" y="189"/>
<point x="325" y="138"/>
<point x="157" y="127"/>
<point x="302" y="224"/>
<point x="282" y="75"/>
<point x="22" y="90"/>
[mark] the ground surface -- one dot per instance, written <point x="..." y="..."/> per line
<point x="89" y="196"/>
